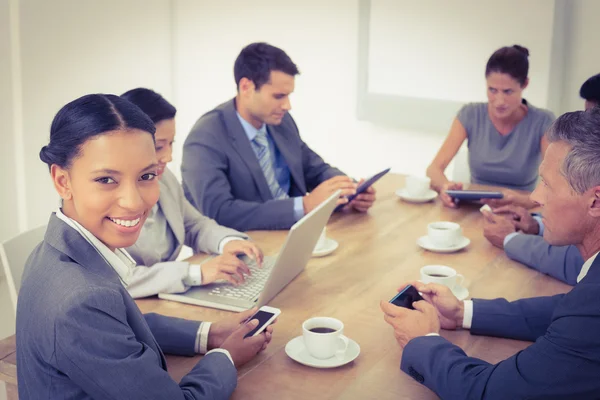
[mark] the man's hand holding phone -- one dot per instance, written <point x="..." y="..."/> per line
<point x="411" y="323"/>
<point x="449" y="309"/>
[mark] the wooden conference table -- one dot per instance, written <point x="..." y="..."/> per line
<point x="377" y="253"/>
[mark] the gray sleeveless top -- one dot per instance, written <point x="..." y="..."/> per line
<point x="512" y="160"/>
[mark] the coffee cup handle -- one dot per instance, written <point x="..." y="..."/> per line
<point x="342" y="346"/>
<point x="460" y="278"/>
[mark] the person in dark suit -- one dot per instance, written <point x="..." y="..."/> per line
<point x="521" y="234"/>
<point x="244" y="163"/>
<point x="564" y="361"/>
<point x="80" y="335"/>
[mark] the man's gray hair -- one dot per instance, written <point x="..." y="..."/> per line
<point x="581" y="130"/>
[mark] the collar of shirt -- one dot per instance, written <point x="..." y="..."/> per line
<point x="249" y="129"/>
<point x="119" y="260"/>
<point x="586" y="267"/>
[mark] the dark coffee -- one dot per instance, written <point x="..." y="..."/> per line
<point x="322" y="330"/>
<point x="438" y="275"/>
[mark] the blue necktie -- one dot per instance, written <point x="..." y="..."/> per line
<point x="261" y="144"/>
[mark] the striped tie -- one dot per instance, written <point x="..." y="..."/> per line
<point x="261" y="146"/>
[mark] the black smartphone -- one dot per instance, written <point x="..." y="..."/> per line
<point x="406" y="297"/>
<point x="265" y="316"/>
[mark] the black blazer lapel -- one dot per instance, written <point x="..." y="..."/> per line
<point x="243" y="147"/>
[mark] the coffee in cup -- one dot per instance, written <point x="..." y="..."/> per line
<point x="417" y="185"/>
<point x="323" y="337"/>
<point x="444" y="234"/>
<point x="441" y="274"/>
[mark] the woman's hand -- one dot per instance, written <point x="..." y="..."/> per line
<point x="446" y="199"/>
<point x="226" y="267"/>
<point x="237" y="247"/>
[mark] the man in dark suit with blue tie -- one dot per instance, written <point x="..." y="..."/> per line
<point x="564" y="361"/>
<point x="244" y="163"/>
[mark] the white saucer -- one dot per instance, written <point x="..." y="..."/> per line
<point x="296" y="351"/>
<point x="428" y="196"/>
<point x="460" y="292"/>
<point x="330" y="246"/>
<point x="425" y="243"/>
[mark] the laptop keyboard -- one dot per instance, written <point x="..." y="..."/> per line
<point x="254" y="284"/>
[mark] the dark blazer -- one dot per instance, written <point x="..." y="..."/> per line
<point x="563" y="363"/>
<point x="223" y="179"/>
<point x="80" y="335"/>
<point x="561" y="262"/>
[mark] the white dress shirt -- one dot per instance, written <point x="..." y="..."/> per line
<point x="122" y="263"/>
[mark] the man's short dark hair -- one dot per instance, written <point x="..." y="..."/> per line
<point x="590" y="90"/>
<point x="257" y="60"/>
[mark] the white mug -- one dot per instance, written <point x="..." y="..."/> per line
<point x="324" y="345"/>
<point x="322" y="242"/>
<point x="441" y="274"/>
<point x="417" y="185"/>
<point x="444" y="234"/>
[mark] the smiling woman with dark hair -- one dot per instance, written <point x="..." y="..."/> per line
<point x="80" y="335"/>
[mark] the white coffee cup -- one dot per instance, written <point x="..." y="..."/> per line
<point x="444" y="234"/>
<point x="323" y="337"/>
<point x="441" y="274"/>
<point x="417" y="185"/>
<point x="322" y="242"/>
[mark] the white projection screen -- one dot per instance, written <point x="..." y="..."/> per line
<point x="419" y="61"/>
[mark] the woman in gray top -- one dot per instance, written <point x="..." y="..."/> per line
<point x="173" y="222"/>
<point x="505" y="136"/>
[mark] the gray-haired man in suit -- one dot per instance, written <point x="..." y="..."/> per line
<point x="244" y="163"/>
<point x="563" y="360"/>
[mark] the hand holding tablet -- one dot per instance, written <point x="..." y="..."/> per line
<point x="473" y="195"/>
<point x="364" y="186"/>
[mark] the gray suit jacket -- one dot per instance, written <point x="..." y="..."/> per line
<point x="157" y="273"/>
<point x="561" y="262"/>
<point x="80" y="335"/>
<point x="223" y="179"/>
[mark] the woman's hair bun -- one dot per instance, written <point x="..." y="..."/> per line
<point x="522" y="49"/>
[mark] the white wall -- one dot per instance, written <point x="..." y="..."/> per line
<point x="8" y="200"/>
<point x="71" y="48"/>
<point x="583" y="57"/>
<point x="438" y="49"/>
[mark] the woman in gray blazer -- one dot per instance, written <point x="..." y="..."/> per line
<point x="173" y="222"/>
<point x="80" y="335"/>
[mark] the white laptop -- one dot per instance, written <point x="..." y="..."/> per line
<point x="277" y="271"/>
